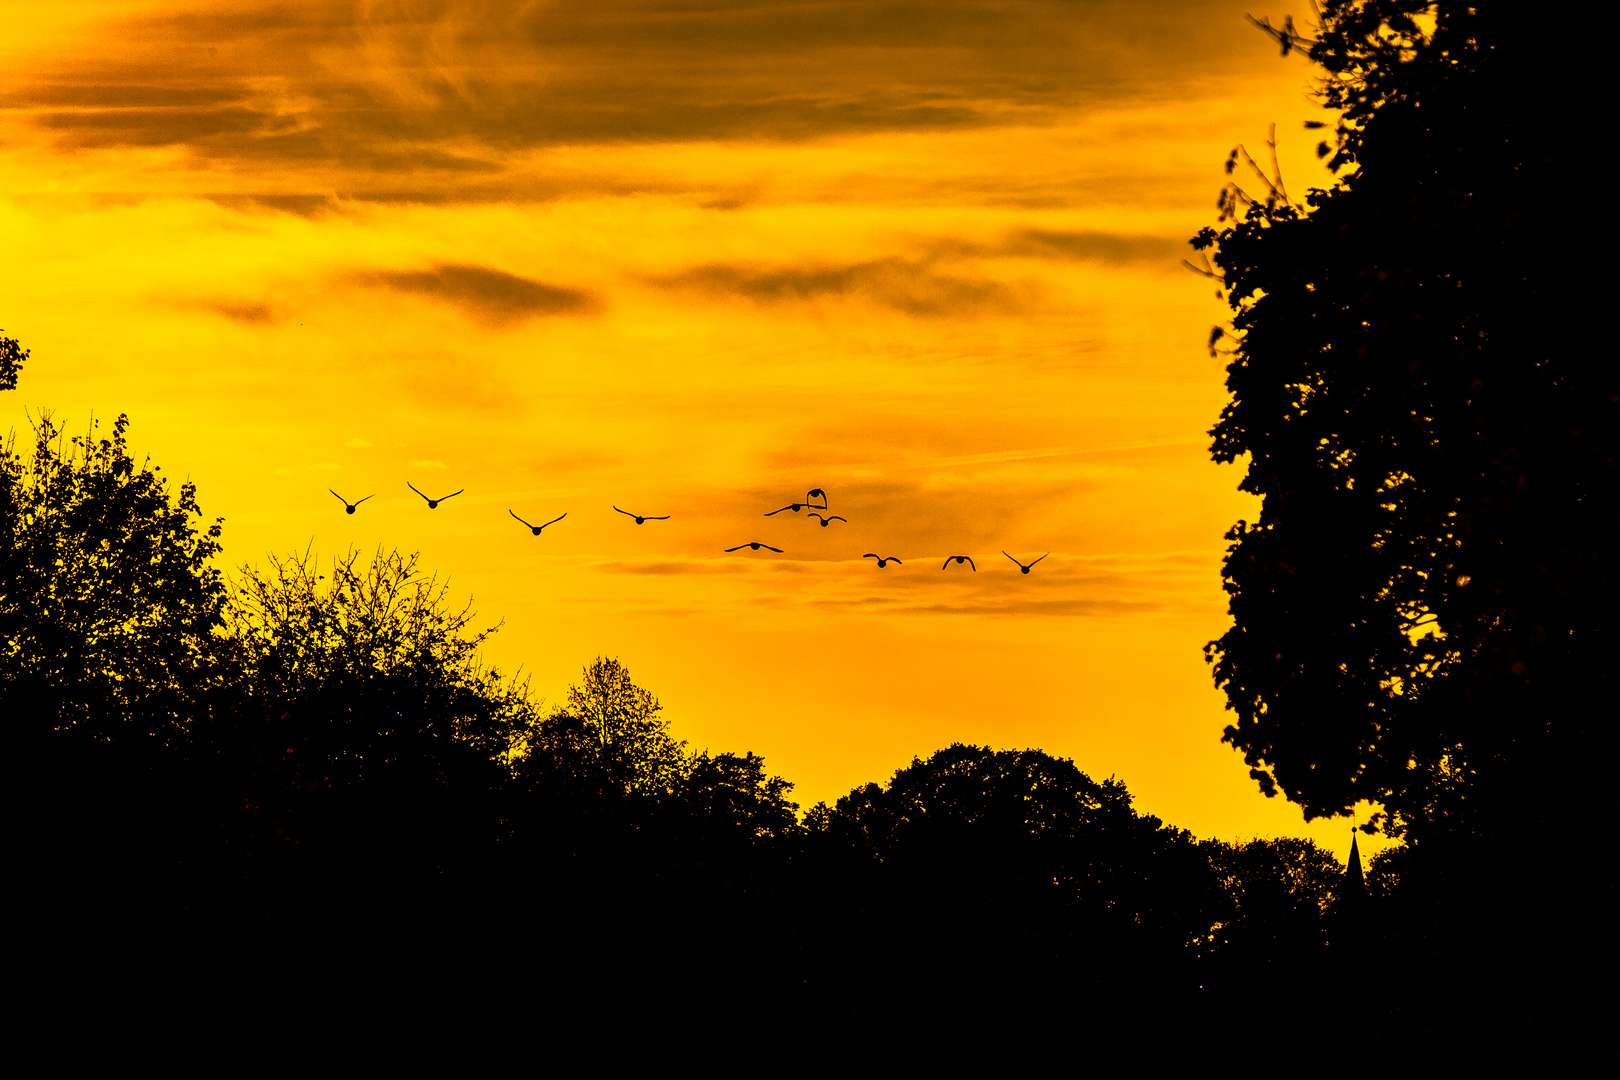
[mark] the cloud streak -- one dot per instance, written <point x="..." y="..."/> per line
<point x="446" y="87"/>
<point x="911" y="287"/>
<point x="491" y="296"/>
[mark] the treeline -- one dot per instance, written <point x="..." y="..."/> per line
<point x="308" y="765"/>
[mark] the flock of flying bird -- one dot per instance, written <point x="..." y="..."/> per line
<point x="754" y="545"/>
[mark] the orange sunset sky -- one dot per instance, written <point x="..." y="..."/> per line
<point x="690" y="259"/>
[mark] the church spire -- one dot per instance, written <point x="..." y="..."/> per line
<point x="1355" y="882"/>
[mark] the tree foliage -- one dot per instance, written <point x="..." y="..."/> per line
<point x="608" y="734"/>
<point x="1023" y="844"/>
<point x="108" y="600"/>
<point x="12" y="356"/>
<point x="370" y="664"/>
<point x="1420" y="612"/>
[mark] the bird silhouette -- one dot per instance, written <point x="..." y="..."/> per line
<point x="1021" y="566"/>
<point x="812" y="495"/>
<point x="536" y="528"/>
<point x="349" y="507"/>
<point x="883" y="560"/>
<point x="433" y="504"/>
<point x="960" y="559"/>
<point x="795" y="507"/>
<point x="756" y="545"/>
<point x="642" y="517"/>
<point x="825" y="521"/>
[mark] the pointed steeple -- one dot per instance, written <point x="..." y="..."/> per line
<point x="1355" y="883"/>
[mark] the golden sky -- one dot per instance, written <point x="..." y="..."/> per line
<point x="689" y="259"/>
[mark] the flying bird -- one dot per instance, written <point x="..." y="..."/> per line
<point x="825" y="521"/>
<point x="1021" y="566"/>
<point x="349" y="507"/>
<point x="809" y="501"/>
<point x="642" y="517"/>
<point x="536" y="528"/>
<point x="756" y="545"/>
<point x="433" y="504"/>
<point x="960" y="559"/>
<point x="883" y="560"/>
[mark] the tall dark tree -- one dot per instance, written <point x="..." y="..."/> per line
<point x="1004" y="880"/>
<point x="1422" y="385"/>
<point x="108" y="600"/>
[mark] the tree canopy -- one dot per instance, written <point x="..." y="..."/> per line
<point x="1420" y="388"/>
<point x="109" y="602"/>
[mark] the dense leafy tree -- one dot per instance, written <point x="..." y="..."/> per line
<point x="108" y="601"/>
<point x="608" y="735"/>
<point x="369" y="665"/>
<point x="1420" y="385"/>
<point x="1280" y="892"/>
<point x="364" y="736"/>
<point x="12" y="356"/>
<point x="977" y="869"/>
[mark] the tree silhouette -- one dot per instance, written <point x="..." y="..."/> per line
<point x="366" y="736"/>
<point x="12" y="356"/>
<point x="370" y="665"/>
<point x="1280" y="893"/>
<point x="1420" y="610"/>
<point x="108" y="601"/>
<point x="609" y="736"/>
<point x="1007" y="879"/>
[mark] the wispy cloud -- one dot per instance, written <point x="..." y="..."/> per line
<point x="453" y="87"/>
<point x="913" y="287"/>
<point x="491" y="296"/>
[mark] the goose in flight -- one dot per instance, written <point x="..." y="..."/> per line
<point x="825" y="521"/>
<point x="349" y="507"/>
<point x="1021" y="566"/>
<point x="642" y="517"/>
<point x="537" y="528"/>
<point x="433" y="504"/>
<point x="809" y="501"/>
<point x="959" y="560"/>
<point x="883" y="560"/>
<point x="756" y="545"/>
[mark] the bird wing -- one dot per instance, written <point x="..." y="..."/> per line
<point x="870" y="555"/>
<point x="339" y="498"/>
<point x="818" y="517"/>
<point x="416" y="489"/>
<point x="835" y="517"/>
<point x="739" y="547"/>
<point x="773" y="513"/>
<point x="893" y="559"/>
<point x="452" y="495"/>
<point x="972" y="564"/>
<point x="626" y="513"/>
<point x="664" y="518"/>
<point x="1004" y="552"/>
<point x="1042" y="557"/>
<point x="947" y="564"/>
<point x="553" y="521"/>
<point x="777" y="550"/>
<point x="514" y="514"/>
<point x="373" y="495"/>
